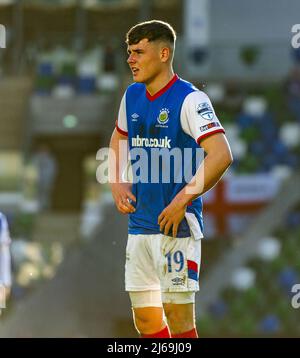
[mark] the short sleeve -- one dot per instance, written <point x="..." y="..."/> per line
<point x="198" y="118"/>
<point x="121" y="123"/>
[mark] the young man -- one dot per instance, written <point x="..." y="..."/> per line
<point x="161" y="111"/>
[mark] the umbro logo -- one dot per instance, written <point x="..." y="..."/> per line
<point x="177" y="281"/>
<point x="134" y="116"/>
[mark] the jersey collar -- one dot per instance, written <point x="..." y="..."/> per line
<point x="163" y="90"/>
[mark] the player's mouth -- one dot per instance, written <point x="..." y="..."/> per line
<point x="134" y="71"/>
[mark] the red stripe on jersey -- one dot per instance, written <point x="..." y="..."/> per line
<point x="120" y="130"/>
<point x="163" y="90"/>
<point x="192" y="265"/>
<point x="208" y="134"/>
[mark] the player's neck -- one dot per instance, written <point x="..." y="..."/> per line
<point x="160" y="82"/>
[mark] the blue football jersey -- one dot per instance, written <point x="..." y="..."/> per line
<point x="164" y="132"/>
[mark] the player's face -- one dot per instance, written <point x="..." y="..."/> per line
<point x="144" y="61"/>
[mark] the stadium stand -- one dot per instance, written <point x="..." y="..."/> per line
<point x="258" y="301"/>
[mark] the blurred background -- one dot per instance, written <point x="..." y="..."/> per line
<point x="62" y="75"/>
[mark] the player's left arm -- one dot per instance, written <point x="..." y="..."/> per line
<point x="199" y="121"/>
<point x="218" y="159"/>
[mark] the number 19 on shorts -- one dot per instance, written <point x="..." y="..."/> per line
<point x="175" y="261"/>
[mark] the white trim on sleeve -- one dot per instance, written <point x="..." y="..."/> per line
<point x="121" y="123"/>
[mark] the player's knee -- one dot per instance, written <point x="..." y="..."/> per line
<point x="148" y="320"/>
<point x="176" y="313"/>
<point x="180" y="317"/>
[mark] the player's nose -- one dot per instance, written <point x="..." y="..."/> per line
<point x="130" y="59"/>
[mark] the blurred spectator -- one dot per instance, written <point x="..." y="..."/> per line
<point x="47" y="169"/>
<point x="5" y="261"/>
<point x="292" y="88"/>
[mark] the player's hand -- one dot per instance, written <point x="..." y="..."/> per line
<point x="122" y="195"/>
<point x="171" y="216"/>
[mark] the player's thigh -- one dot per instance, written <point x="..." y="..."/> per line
<point x="178" y="264"/>
<point x="140" y="273"/>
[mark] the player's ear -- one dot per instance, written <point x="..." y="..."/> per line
<point x="164" y="54"/>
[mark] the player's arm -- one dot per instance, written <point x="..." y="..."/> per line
<point x="118" y="159"/>
<point x="218" y="159"/>
<point x="121" y="191"/>
<point x="209" y="134"/>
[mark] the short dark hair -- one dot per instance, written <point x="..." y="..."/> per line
<point x="152" y="30"/>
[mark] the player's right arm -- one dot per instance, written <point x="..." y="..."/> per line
<point x="121" y="190"/>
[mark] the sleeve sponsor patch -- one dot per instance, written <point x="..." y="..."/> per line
<point x="205" y="111"/>
<point x="209" y="126"/>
